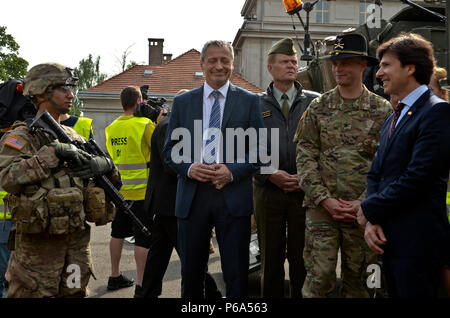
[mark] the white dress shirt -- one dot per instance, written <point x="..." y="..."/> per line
<point x="208" y="101"/>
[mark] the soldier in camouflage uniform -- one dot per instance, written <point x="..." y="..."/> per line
<point x="337" y="138"/>
<point x="51" y="195"/>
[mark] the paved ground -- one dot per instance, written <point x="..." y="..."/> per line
<point x="172" y="279"/>
<point x="100" y="236"/>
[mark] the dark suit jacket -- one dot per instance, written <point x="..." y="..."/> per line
<point x="407" y="181"/>
<point x="241" y="110"/>
<point x="162" y="181"/>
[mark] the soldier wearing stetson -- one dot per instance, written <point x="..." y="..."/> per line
<point x="279" y="215"/>
<point x="336" y="140"/>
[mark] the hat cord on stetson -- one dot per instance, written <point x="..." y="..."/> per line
<point x="337" y="52"/>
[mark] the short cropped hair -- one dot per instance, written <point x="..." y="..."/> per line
<point x="411" y="49"/>
<point x="129" y="95"/>
<point x="217" y="43"/>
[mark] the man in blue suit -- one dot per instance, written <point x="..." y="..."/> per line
<point x="214" y="176"/>
<point x="405" y="211"/>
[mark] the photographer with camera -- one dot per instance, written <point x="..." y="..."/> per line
<point x="151" y="107"/>
<point x="128" y="142"/>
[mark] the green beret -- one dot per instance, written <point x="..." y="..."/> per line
<point x="283" y="46"/>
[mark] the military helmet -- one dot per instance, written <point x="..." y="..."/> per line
<point x="42" y="76"/>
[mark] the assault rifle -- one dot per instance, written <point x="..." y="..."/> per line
<point x="47" y="124"/>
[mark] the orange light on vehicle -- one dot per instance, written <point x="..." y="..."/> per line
<point x="293" y="6"/>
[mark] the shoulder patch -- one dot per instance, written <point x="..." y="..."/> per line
<point x="266" y="114"/>
<point x="15" y="142"/>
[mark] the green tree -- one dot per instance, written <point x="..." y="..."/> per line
<point x="131" y="64"/>
<point x="89" y="75"/>
<point x="11" y="65"/>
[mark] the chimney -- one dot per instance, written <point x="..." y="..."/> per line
<point x="155" y="51"/>
<point x="167" y="57"/>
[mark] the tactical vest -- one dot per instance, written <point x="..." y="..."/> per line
<point x="59" y="204"/>
<point x="83" y="127"/>
<point x="124" y="144"/>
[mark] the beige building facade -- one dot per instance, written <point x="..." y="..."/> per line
<point x="266" y="21"/>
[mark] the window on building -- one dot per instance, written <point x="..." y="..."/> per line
<point x="322" y="11"/>
<point x="363" y="13"/>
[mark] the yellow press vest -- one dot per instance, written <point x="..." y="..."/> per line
<point x="83" y="127"/>
<point x="3" y="207"/>
<point x="124" y="144"/>
<point x="448" y="198"/>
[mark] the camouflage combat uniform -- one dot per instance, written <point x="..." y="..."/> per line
<point x="43" y="262"/>
<point x="337" y="140"/>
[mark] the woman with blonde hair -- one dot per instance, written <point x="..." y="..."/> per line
<point x="438" y="74"/>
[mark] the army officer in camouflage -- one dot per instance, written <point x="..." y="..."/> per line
<point x="51" y="195"/>
<point x="337" y="138"/>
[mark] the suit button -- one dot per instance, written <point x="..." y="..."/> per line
<point x="382" y="179"/>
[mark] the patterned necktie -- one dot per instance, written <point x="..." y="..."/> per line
<point x="214" y="122"/>
<point x="398" y="111"/>
<point x="285" y="106"/>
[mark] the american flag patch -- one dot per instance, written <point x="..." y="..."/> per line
<point x="15" y="143"/>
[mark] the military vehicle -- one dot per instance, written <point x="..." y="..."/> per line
<point x="427" y="18"/>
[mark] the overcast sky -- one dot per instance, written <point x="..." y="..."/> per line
<point x="67" y="31"/>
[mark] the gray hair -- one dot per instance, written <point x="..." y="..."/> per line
<point x="217" y="43"/>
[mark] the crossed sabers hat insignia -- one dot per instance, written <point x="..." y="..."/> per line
<point x="339" y="44"/>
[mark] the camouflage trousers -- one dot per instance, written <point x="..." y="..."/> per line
<point x="323" y="239"/>
<point x="44" y="265"/>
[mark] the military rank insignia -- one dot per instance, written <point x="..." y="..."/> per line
<point x="15" y="143"/>
<point x="266" y="114"/>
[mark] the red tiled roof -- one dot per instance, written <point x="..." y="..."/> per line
<point x="167" y="78"/>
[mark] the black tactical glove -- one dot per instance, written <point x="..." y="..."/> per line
<point x="69" y="152"/>
<point x="93" y="167"/>
<point x="64" y="150"/>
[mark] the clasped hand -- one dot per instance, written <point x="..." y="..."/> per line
<point x="218" y="174"/>
<point x="285" y="181"/>
<point x="342" y="210"/>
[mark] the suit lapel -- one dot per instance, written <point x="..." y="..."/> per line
<point x="197" y="104"/>
<point x="231" y="100"/>
<point x="413" y="110"/>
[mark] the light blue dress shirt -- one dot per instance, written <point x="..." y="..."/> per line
<point x="410" y="100"/>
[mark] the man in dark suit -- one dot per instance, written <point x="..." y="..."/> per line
<point x="214" y="174"/>
<point x="405" y="213"/>
<point x="160" y="202"/>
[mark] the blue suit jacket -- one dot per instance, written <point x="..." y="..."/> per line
<point x="407" y="181"/>
<point x="241" y="110"/>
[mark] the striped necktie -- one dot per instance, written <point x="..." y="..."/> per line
<point x="209" y="155"/>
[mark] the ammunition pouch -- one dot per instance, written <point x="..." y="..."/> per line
<point x="65" y="208"/>
<point x="56" y="211"/>
<point x="29" y="214"/>
<point x="58" y="206"/>
<point x="99" y="210"/>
